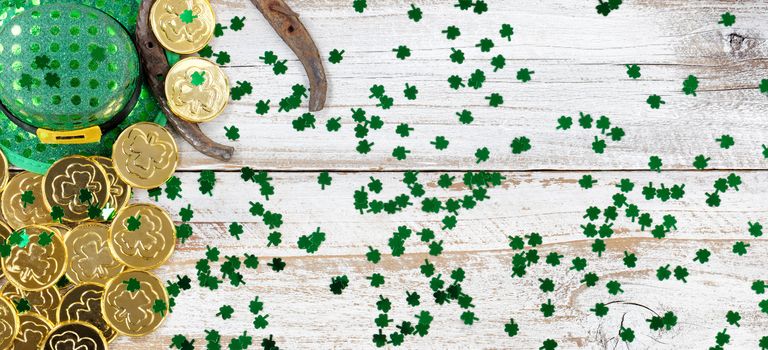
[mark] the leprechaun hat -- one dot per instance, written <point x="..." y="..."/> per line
<point x="70" y="79"/>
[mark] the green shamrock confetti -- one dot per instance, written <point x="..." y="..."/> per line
<point x="655" y="101"/>
<point x="198" y="78"/>
<point x="524" y="75"/>
<point x="402" y="52"/>
<point x="335" y="56"/>
<point x="654" y="163"/>
<point x="633" y="71"/>
<point x="232" y="132"/>
<point x="133" y="223"/>
<point x="727" y="19"/>
<point x="359" y="5"/>
<point x="452" y="32"/>
<point x="726" y="141"/>
<point x="506" y="31"/>
<point x="225" y="312"/>
<point x="604" y="7"/>
<point x="22" y="305"/>
<point x="339" y="283"/>
<point x="187" y="16"/>
<point x="237" y="23"/>
<point x="485" y="45"/>
<point x="45" y="238"/>
<point x="440" y="143"/>
<point x="690" y="85"/>
<point x="520" y="145"/>
<point x="415" y="13"/>
<point x="27" y="198"/>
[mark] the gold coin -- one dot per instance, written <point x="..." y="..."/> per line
<point x="197" y="90"/>
<point x="132" y="312"/>
<point x="4" y="174"/>
<point x="83" y="303"/>
<point x="68" y="180"/>
<point x="152" y="240"/>
<point x="145" y="155"/>
<point x="74" y="335"/>
<point x="31" y="210"/>
<point x="183" y="26"/>
<point x="33" y="329"/>
<point x="36" y="266"/>
<point x="120" y="192"/>
<point x="90" y="259"/>
<point x="43" y="302"/>
<point x="9" y="323"/>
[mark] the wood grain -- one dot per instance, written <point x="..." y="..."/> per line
<point x="579" y="60"/>
<point x="304" y="314"/>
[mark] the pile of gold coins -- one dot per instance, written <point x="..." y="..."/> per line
<point x="196" y="88"/>
<point x="76" y="256"/>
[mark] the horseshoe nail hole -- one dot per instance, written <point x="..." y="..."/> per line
<point x="291" y="29"/>
<point x="150" y="45"/>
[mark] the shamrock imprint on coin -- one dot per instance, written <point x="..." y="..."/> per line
<point x="22" y="201"/>
<point x="74" y="184"/>
<point x="197" y="90"/>
<point x="32" y="331"/>
<point x="74" y="335"/>
<point x="83" y="303"/>
<point x="145" y="245"/>
<point x="133" y="312"/>
<point x="90" y="259"/>
<point x="145" y="155"/>
<point x="183" y="26"/>
<point x="36" y="266"/>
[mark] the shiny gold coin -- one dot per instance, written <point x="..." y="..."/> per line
<point x="43" y="302"/>
<point x="90" y="259"/>
<point x="33" y="329"/>
<point x="36" y="266"/>
<point x="120" y="192"/>
<point x="145" y="155"/>
<point x="152" y="240"/>
<point x="69" y="180"/>
<point x="4" y="174"/>
<point x="131" y="312"/>
<point x="183" y="26"/>
<point x="22" y="201"/>
<point x="197" y="90"/>
<point x="9" y="323"/>
<point x="83" y="303"/>
<point x="74" y="335"/>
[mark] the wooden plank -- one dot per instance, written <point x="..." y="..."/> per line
<point x="304" y="314"/>
<point x="578" y="57"/>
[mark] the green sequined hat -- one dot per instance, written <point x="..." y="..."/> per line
<point x="70" y="79"/>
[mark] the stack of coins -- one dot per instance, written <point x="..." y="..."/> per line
<point x="76" y="255"/>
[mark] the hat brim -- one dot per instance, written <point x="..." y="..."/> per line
<point x="24" y="150"/>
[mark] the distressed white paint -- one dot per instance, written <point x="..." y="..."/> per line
<point x="578" y="57"/>
<point x="304" y="314"/>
